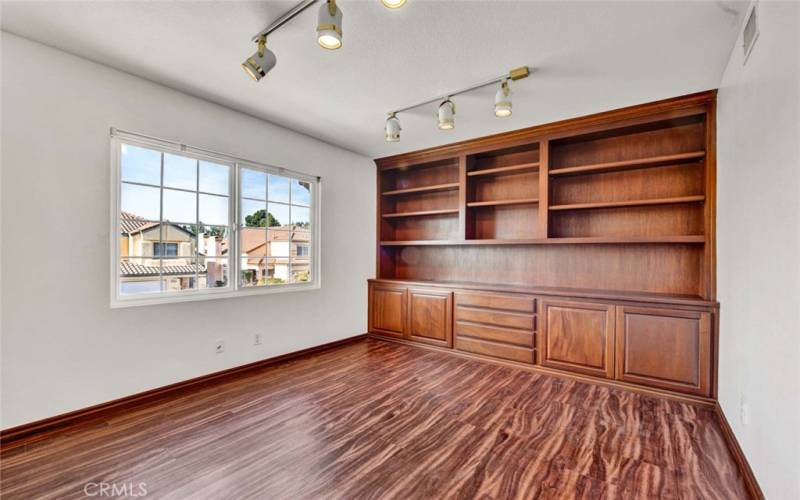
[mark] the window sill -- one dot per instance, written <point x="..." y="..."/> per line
<point x="198" y="295"/>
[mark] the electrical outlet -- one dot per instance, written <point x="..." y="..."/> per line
<point x="744" y="412"/>
<point x="257" y="339"/>
<point x="219" y="346"/>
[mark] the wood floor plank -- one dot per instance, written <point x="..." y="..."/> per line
<point x="382" y="420"/>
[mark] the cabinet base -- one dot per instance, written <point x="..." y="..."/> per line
<point x="646" y="391"/>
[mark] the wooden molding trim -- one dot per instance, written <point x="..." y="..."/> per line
<point x="679" y="106"/>
<point x="647" y="391"/>
<point x="738" y="455"/>
<point x="25" y="433"/>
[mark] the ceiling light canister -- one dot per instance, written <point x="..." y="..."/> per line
<point x="502" y="101"/>
<point x="329" y="25"/>
<point x="393" y="4"/>
<point x="446" y="112"/>
<point x="260" y="63"/>
<point x="393" y="128"/>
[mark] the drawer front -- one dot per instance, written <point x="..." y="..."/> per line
<point x="520" y="303"/>
<point x="495" y="349"/>
<point x="495" y="318"/>
<point x="496" y="324"/>
<point x="522" y="338"/>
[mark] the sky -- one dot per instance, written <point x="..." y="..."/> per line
<point x="259" y="190"/>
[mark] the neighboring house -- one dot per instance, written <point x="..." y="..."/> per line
<point x="265" y="257"/>
<point x="145" y="242"/>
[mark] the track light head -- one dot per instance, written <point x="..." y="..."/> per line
<point x="393" y="4"/>
<point x="393" y="128"/>
<point x="260" y="63"/>
<point x="329" y="25"/>
<point x="502" y="101"/>
<point x="446" y="112"/>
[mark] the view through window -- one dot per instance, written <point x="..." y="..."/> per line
<point x="177" y="214"/>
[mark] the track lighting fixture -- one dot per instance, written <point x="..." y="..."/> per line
<point x="329" y="25"/>
<point x="259" y="64"/>
<point x="393" y="128"/>
<point x="446" y="111"/>
<point x="502" y="101"/>
<point x="329" y="33"/>
<point x="393" y="4"/>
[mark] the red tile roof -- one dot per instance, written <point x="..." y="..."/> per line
<point x="132" y="223"/>
<point x="128" y="269"/>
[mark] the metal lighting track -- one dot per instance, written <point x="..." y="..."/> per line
<point x="285" y="18"/>
<point x="514" y="74"/>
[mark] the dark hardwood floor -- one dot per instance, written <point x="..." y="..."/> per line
<point x="381" y="420"/>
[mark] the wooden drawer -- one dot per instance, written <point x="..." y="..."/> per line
<point x="496" y="318"/>
<point x="522" y="338"/>
<point x="520" y="303"/>
<point x="495" y="349"/>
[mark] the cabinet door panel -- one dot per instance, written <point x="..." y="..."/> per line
<point x="578" y="336"/>
<point x="431" y="316"/>
<point x="664" y="348"/>
<point x="387" y="314"/>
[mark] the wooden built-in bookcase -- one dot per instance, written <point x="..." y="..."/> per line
<point x="600" y="229"/>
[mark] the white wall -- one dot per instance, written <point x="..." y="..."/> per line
<point x="758" y="238"/>
<point x="63" y="348"/>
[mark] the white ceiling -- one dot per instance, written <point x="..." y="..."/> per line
<point x="587" y="57"/>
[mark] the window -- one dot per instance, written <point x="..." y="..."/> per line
<point x="194" y="225"/>
<point x="170" y="249"/>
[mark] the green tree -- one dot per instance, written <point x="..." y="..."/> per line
<point x="261" y="218"/>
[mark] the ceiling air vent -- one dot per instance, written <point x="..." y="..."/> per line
<point x="750" y="32"/>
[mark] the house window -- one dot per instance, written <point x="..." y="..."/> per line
<point x="179" y="235"/>
<point x="169" y="249"/>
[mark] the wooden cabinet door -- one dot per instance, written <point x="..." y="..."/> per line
<point x="387" y="310"/>
<point x="430" y="316"/>
<point x="578" y="336"/>
<point x="665" y="348"/>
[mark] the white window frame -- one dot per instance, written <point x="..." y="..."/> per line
<point x="234" y="288"/>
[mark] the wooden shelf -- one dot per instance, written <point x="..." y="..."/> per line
<point x="521" y="201"/>
<point x="414" y="243"/>
<point x="601" y="240"/>
<point x="631" y="203"/>
<point x="513" y="169"/>
<point x="423" y="189"/>
<point x="420" y="213"/>
<point x="655" y="161"/>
